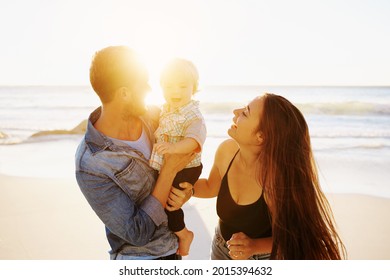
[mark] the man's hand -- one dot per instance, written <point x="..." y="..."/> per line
<point x="173" y="163"/>
<point x="163" y="148"/>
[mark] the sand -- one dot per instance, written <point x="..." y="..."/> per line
<point x="49" y="219"/>
<point x="44" y="216"/>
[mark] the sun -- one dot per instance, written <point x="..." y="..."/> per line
<point x="154" y="64"/>
<point x="156" y="38"/>
<point x="155" y="56"/>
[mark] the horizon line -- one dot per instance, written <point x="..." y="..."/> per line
<point x="207" y="85"/>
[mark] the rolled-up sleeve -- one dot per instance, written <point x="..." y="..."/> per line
<point x="154" y="209"/>
<point x="135" y="224"/>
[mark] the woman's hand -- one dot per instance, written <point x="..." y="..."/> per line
<point x="178" y="197"/>
<point x="241" y="247"/>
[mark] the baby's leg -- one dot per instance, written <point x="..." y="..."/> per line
<point x="176" y="218"/>
<point x="177" y="225"/>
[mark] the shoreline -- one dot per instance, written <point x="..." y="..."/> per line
<point x="54" y="158"/>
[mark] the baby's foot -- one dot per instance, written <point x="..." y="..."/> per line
<point x="185" y="240"/>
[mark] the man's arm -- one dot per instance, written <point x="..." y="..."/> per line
<point x="134" y="223"/>
<point x="118" y="212"/>
<point x="173" y="163"/>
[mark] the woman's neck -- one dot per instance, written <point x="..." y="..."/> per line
<point x="248" y="160"/>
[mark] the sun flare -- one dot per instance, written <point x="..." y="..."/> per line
<point x="155" y="54"/>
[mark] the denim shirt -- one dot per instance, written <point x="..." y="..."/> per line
<point x="117" y="182"/>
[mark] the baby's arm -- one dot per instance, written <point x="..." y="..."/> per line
<point x="194" y="137"/>
<point x="185" y="146"/>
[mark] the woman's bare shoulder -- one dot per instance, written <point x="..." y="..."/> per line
<point x="229" y="145"/>
<point x="225" y="152"/>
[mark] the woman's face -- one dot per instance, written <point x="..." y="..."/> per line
<point x="246" y="122"/>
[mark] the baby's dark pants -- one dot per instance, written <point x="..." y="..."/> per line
<point x="190" y="175"/>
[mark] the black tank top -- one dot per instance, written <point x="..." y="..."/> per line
<point x="252" y="219"/>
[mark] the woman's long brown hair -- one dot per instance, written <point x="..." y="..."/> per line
<point x="302" y="220"/>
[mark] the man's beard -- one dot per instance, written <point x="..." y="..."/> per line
<point x="134" y="111"/>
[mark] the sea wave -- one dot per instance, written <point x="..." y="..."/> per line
<point x="43" y="135"/>
<point x="318" y="144"/>
<point x="321" y="108"/>
<point x="41" y="139"/>
<point x="3" y="135"/>
<point x="11" y="141"/>
<point x="352" y="146"/>
<point x="345" y="108"/>
<point x="345" y="134"/>
<point x="223" y="107"/>
<point x="49" y="107"/>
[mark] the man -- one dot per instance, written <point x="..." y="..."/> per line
<point x="112" y="167"/>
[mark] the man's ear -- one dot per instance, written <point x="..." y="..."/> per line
<point x="125" y="92"/>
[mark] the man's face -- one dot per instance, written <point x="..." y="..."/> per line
<point x="136" y="104"/>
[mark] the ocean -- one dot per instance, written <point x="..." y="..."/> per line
<point x="345" y="123"/>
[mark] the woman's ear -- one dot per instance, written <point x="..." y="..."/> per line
<point x="259" y="137"/>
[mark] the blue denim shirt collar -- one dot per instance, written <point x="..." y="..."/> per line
<point x="97" y="141"/>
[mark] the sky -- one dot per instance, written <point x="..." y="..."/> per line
<point x="232" y="42"/>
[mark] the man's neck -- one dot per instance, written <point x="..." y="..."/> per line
<point x="119" y="126"/>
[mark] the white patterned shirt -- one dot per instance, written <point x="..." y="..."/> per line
<point x="183" y="122"/>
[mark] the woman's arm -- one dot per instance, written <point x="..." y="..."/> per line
<point x="207" y="188"/>
<point x="203" y="188"/>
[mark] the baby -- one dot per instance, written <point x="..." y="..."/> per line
<point x="181" y="129"/>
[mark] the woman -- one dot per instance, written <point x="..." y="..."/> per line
<point x="269" y="201"/>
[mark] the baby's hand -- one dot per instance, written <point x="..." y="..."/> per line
<point x="164" y="148"/>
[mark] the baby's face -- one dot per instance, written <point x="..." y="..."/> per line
<point x="178" y="91"/>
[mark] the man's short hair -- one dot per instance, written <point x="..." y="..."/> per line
<point x="114" y="67"/>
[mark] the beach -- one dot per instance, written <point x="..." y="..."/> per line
<point x="44" y="216"/>
<point x="329" y="58"/>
